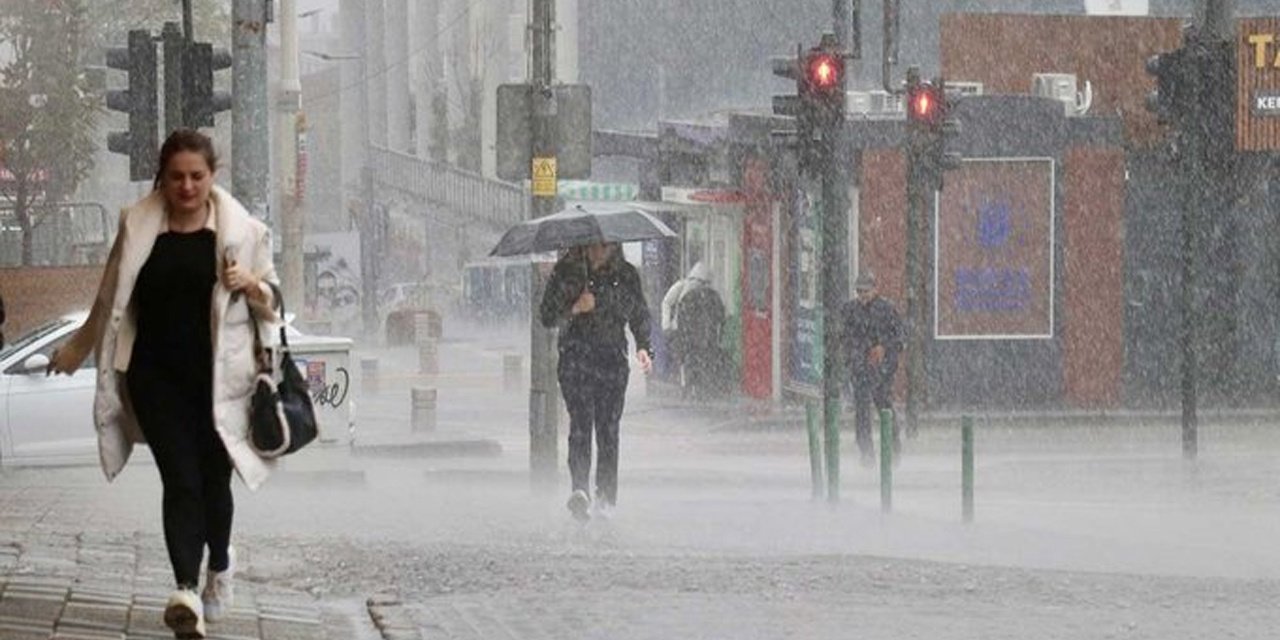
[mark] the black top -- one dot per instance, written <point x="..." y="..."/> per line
<point x="868" y="325"/>
<point x="172" y="301"/>
<point x="619" y="301"/>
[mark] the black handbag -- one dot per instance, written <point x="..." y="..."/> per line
<point x="282" y="419"/>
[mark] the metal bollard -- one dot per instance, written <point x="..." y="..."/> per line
<point x="966" y="467"/>
<point x="423" y="416"/>
<point x="369" y="375"/>
<point x="886" y="460"/>
<point x="512" y="372"/>
<point x="428" y="357"/>
<point x="815" y="448"/>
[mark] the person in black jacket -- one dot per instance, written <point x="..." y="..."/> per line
<point x="872" y="335"/>
<point x="592" y="294"/>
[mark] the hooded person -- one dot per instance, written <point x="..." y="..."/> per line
<point x="699" y="316"/>
<point x="699" y="276"/>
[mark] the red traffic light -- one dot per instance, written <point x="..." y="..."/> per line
<point x="824" y="71"/>
<point x="925" y="104"/>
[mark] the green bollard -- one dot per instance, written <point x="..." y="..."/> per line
<point x="966" y="467"/>
<point x="886" y="460"/>
<point x="831" y="427"/>
<point x="815" y="448"/>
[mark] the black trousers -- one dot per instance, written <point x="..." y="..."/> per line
<point x="194" y="468"/>
<point x="594" y="393"/>
<point x="873" y="385"/>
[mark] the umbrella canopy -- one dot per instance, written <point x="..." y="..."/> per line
<point x="580" y="226"/>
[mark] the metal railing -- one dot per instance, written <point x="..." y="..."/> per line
<point x="475" y="197"/>
<point x="65" y="234"/>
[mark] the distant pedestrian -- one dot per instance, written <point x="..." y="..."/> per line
<point x="593" y="293"/>
<point x="700" y="317"/>
<point x="873" y="339"/>
<point x="168" y="376"/>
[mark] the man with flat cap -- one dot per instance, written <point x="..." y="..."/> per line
<point x="873" y="338"/>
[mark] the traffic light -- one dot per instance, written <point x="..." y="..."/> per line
<point x="926" y="105"/>
<point x="819" y="101"/>
<point x="931" y="125"/>
<point x="140" y="142"/>
<point x="199" y="101"/>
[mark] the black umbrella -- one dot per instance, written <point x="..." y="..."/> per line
<point x="581" y="226"/>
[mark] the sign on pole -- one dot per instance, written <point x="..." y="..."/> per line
<point x="993" y="251"/>
<point x="804" y="373"/>
<point x="515" y="131"/>
<point x="544" y="177"/>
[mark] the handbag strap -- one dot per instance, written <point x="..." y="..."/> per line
<point x="264" y="363"/>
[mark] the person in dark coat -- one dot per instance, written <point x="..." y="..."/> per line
<point x="873" y="339"/>
<point x="700" y="317"/>
<point x="591" y="296"/>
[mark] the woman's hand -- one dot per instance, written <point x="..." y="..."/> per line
<point x="644" y="360"/>
<point x="65" y="360"/>
<point x="238" y="279"/>
<point x="586" y="303"/>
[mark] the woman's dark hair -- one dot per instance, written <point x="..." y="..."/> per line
<point x="185" y="140"/>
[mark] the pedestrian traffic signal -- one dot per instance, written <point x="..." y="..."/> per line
<point x="931" y="127"/>
<point x="140" y="142"/>
<point x="926" y="105"/>
<point x="199" y="101"/>
<point x="823" y="71"/>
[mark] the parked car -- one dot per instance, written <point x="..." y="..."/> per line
<point x="49" y="419"/>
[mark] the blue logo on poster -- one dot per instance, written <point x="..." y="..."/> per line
<point x="995" y="224"/>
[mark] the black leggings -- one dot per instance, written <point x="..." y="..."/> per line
<point x="595" y="397"/>
<point x="194" y="468"/>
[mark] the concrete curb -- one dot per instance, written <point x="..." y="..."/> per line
<point x="392" y="619"/>
<point x="426" y="448"/>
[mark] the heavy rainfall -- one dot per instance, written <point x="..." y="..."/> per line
<point x="745" y="319"/>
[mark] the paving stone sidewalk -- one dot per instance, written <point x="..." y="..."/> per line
<point x="100" y="587"/>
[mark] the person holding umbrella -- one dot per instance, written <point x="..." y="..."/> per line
<point x="593" y="293"/>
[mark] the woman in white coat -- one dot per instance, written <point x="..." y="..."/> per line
<point x="174" y="341"/>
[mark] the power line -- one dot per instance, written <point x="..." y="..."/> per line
<point x="364" y="80"/>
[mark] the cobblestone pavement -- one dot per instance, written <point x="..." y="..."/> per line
<point x="103" y="586"/>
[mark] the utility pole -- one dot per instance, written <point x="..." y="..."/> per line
<point x="289" y="107"/>
<point x="543" y="389"/>
<point x="250" y="145"/>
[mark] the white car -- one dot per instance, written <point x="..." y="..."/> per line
<point x="49" y="419"/>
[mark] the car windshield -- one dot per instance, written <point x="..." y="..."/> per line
<point x="33" y="337"/>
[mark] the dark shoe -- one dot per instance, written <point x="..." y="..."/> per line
<point x="580" y="505"/>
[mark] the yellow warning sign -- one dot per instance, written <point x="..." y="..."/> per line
<point x="544" y="177"/>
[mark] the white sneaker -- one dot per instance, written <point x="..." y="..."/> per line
<point x="602" y="509"/>
<point x="219" y="591"/>
<point x="185" y="614"/>
<point x="580" y="504"/>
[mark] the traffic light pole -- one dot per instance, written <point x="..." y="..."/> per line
<point x="917" y="203"/>
<point x="835" y="265"/>
<point x="544" y="401"/>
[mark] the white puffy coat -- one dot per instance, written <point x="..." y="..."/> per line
<point x="111" y="329"/>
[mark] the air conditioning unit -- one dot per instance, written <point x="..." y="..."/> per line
<point x="884" y="103"/>
<point x="1063" y="88"/>
<point x="872" y="104"/>
<point x="964" y="89"/>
